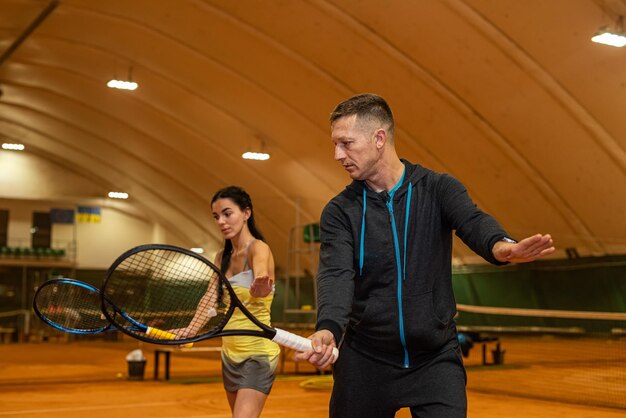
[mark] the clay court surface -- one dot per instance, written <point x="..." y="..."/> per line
<point x="89" y="379"/>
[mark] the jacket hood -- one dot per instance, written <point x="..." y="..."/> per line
<point x="410" y="176"/>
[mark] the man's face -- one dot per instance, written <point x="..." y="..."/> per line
<point x="355" y="147"/>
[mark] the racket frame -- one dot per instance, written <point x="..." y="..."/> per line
<point x="277" y="335"/>
<point x="218" y="331"/>
<point x="109" y="327"/>
<point x="53" y="324"/>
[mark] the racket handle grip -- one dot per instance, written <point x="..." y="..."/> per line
<point x="297" y="342"/>
<point x="164" y="335"/>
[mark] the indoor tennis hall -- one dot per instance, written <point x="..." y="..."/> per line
<point x="120" y="120"/>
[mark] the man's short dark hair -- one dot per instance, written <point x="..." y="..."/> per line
<point x="366" y="106"/>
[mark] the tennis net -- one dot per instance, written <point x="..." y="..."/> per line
<point x="558" y="355"/>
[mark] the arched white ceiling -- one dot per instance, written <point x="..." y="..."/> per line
<point x="510" y="97"/>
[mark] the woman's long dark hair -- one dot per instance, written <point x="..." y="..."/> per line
<point x="241" y="199"/>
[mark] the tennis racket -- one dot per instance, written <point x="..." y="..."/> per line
<point x="70" y="306"/>
<point x="74" y="306"/>
<point x="182" y="295"/>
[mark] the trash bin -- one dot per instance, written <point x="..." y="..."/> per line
<point x="136" y="369"/>
<point x="136" y="365"/>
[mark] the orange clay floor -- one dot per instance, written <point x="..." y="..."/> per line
<point x="90" y="379"/>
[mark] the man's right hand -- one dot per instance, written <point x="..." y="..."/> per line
<point x="322" y="354"/>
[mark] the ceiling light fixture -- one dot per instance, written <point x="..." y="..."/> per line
<point x="606" y="37"/>
<point x="198" y="250"/>
<point x="13" y="147"/>
<point x="259" y="155"/>
<point x="124" y="85"/>
<point x="118" y="195"/>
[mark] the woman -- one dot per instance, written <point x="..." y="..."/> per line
<point x="248" y="363"/>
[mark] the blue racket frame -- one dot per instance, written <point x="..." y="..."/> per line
<point x="109" y="327"/>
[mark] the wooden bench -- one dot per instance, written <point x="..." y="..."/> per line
<point x="483" y="340"/>
<point x="483" y="335"/>
<point x="497" y="353"/>
<point x="167" y="352"/>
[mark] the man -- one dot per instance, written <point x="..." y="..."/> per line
<point x="384" y="280"/>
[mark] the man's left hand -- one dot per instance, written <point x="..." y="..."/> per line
<point x="528" y="249"/>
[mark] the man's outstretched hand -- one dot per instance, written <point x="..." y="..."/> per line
<point x="528" y="249"/>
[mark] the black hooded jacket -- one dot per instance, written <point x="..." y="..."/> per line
<point x="385" y="273"/>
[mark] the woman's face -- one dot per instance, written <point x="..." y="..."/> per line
<point x="229" y="217"/>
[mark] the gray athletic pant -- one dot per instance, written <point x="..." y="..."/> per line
<point x="365" y="388"/>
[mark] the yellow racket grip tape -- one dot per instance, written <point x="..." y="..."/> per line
<point x="164" y="335"/>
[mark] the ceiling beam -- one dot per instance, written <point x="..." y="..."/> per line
<point x="30" y="29"/>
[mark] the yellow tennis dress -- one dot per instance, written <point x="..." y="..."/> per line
<point x="249" y="362"/>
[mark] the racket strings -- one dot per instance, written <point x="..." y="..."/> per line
<point x="71" y="307"/>
<point x="165" y="289"/>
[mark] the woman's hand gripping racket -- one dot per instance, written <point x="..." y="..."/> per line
<point x="182" y="295"/>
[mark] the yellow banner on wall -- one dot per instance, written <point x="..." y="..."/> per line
<point x="88" y="214"/>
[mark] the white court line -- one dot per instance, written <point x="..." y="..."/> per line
<point x="87" y="408"/>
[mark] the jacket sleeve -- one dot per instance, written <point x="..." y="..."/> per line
<point x="476" y="228"/>
<point x="335" y="278"/>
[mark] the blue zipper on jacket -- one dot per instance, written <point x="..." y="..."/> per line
<point x="362" y="243"/>
<point x="401" y="270"/>
<point x="399" y="259"/>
